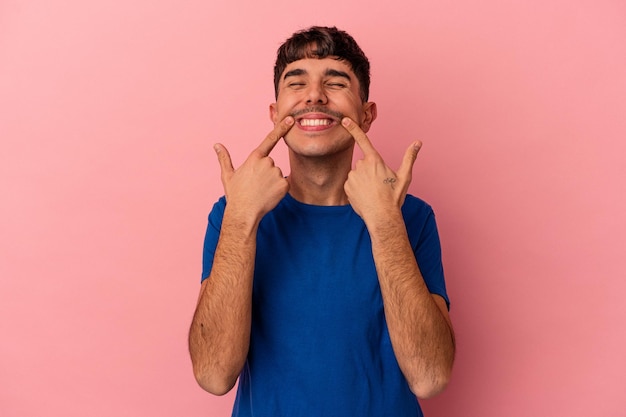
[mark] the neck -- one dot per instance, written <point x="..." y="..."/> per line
<point x="319" y="181"/>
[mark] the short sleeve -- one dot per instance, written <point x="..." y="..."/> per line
<point x="211" y="237"/>
<point x="424" y="237"/>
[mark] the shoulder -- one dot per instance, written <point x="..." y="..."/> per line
<point x="217" y="212"/>
<point x="416" y="207"/>
<point x="419" y="218"/>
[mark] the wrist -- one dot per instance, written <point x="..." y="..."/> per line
<point x="242" y="221"/>
<point x="386" y="222"/>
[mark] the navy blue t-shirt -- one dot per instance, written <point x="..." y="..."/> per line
<point x="319" y="343"/>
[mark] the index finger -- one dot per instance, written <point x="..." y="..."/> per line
<point x="274" y="136"/>
<point x="359" y="136"/>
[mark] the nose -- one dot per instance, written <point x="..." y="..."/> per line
<point x="316" y="94"/>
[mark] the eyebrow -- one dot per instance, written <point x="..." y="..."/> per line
<point x="294" y="73"/>
<point x="328" y="73"/>
<point x="336" y="73"/>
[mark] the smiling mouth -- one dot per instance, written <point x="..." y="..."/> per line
<point x="315" y="122"/>
<point x="317" y="118"/>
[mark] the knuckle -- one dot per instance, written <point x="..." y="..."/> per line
<point x="258" y="154"/>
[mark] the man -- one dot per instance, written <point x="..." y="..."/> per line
<point x="322" y="291"/>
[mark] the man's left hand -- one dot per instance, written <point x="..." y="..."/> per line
<point x="372" y="187"/>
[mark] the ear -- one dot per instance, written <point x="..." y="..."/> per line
<point x="369" y="113"/>
<point x="273" y="113"/>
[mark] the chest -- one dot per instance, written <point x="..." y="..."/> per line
<point x="315" y="268"/>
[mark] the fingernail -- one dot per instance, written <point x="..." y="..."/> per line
<point x="289" y="120"/>
<point x="216" y="148"/>
<point x="345" y="121"/>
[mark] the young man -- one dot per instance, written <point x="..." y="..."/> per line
<point x="322" y="291"/>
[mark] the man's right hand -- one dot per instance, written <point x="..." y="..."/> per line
<point x="257" y="186"/>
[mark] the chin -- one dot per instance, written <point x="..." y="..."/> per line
<point x="317" y="147"/>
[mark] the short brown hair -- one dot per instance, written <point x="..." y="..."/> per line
<point x="321" y="42"/>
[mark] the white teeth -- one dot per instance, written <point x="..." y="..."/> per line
<point x="315" y="122"/>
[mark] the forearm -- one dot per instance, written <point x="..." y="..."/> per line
<point x="220" y="331"/>
<point x="219" y="337"/>
<point x="420" y="331"/>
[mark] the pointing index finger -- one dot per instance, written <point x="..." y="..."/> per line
<point x="274" y="136"/>
<point x="359" y="136"/>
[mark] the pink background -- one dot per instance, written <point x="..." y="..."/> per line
<point x="108" y="110"/>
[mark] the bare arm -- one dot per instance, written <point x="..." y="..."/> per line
<point x="418" y="321"/>
<point x="219" y="336"/>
